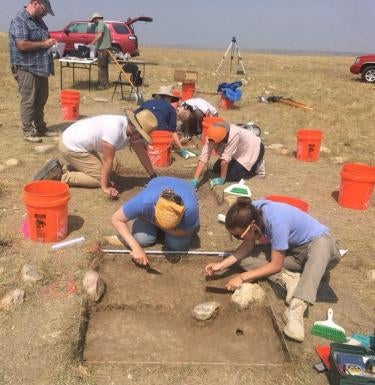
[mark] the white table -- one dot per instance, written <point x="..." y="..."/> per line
<point x="76" y="63"/>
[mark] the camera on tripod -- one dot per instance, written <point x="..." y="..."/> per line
<point x="233" y="49"/>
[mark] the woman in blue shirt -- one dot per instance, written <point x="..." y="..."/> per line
<point x="292" y="241"/>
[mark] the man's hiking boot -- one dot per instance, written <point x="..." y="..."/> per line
<point x="48" y="133"/>
<point x="52" y="170"/>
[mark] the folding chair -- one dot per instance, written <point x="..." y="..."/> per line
<point x="127" y="88"/>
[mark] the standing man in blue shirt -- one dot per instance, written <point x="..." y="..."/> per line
<point x="31" y="65"/>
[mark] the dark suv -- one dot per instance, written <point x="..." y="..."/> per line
<point x="122" y="32"/>
<point x="364" y="65"/>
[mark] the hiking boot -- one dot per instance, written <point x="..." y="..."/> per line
<point x="32" y="138"/>
<point x="52" y="170"/>
<point x="293" y="316"/>
<point x="260" y="172"/>
<point x="289" y="281"/>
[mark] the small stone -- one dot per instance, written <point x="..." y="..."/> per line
<point x="210" y="233"/>
<point x="371" y="275"/>
<point x="113" y="240"/>
<point x="44" y="148"/>
<point x="12" y="162"/>
<point x="338" y="160"/>
<point x="246" y="294"/>
<point x="95" y="287"/>
<point x="325" y="150"/>
<point x="275" y="146"/>
<point x="266" y="133"/>
<point x="12" y="299"/>
<point x="2" y="167"/>
<point x="29" y="274"/>
<point x="284" y="151"/>
<point x="102" y="100"/>
<point x="206" y="310"/>
<point x="15" y="208"/>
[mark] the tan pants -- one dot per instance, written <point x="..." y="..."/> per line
<point x="87" y="167"/>
<point x="34" y="94"/>
<point x="313" y="259"/>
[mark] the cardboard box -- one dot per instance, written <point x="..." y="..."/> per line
<point x="185" y="76"/>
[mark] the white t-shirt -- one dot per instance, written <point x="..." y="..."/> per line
<point x="203" y="105"/>
<point x="87" y="135"/>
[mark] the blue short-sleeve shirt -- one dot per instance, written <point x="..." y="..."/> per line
<point x="286" y="226"/>
<point x="164" y="112"/>
<point x="143" y="204"/>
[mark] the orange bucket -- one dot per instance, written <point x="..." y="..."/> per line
<point x="225" y="103"/>
<point x="296" y="202"/>
<point x="357" y="184"/>
<point x="46" y="203"/>
<point x="188" y="90"/>
<point x="160" y="154"/>
<point x="308" y="144"/>
<point x="206" y="122"/>
<point x="69" y="104"/>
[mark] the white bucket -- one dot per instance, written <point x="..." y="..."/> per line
<point x="92" y="51"/>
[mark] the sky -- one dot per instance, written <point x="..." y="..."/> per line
<point x="282" y="25"/>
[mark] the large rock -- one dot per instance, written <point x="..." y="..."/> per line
<point x="247" y="294"/>
<point x="94" y="286"/>
<point x="206" y="310"/>
<point x="12" y="299"/>
<point x="12" y="162"/>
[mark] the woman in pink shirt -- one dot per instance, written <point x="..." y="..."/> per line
<point x="240" y="154"/>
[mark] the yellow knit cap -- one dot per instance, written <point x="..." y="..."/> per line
<point x="168" y="214"/>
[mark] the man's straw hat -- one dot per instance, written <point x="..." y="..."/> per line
<point x="144" y="122"/>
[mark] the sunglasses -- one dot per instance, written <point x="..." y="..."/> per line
<point x="170" y="195"/>
<point x="242" y="235"/>
<point x="187" y="107"/>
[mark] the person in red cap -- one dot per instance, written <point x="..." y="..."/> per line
<point x="240" y="154"/>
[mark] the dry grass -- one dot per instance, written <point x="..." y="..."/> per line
<point x="38" y="338"/>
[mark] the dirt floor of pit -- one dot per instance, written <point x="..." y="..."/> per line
<point x="147" y="318"/>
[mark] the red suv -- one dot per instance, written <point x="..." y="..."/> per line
<point x="123" y="36"/>
<point x="364" y="65"/>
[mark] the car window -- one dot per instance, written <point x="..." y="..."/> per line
<point x="78" y="28"/>
<point x="91" y="28"/>
<point x="120" y="28"/>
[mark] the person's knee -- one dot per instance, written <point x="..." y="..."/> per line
<point x="177" y="244"/>
<point x="144" y="239"/>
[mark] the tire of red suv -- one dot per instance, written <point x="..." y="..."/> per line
<point x="368" y="74"/>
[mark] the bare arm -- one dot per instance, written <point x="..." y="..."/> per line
<point x="272" y="267"/>
<point x="28" y="45"/>
<point x="97" y="37"/>
<point x="199" y="169"/>
<point x="108" y="156"/>
<point x="223" y="169"/>
<point x="119" y="222"/>
<point x="176" y="140"/>
<point x="140" y="150"/>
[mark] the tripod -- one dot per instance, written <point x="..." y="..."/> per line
<point x="233" y="48"/>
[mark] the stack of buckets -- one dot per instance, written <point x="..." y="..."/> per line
<point x="69" y="104"/>
<point x="46" y="204"/>
<point x="188" y="90"/>
<point x="160" y="151"/>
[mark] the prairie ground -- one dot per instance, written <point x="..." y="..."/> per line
<point x="39" y="337"/>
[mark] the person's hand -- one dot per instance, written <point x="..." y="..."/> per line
<point x="234" y="283"/>
<point x="211" y="268"/>
<point x="111" y="192"/>
<point x="194" y="183"/>
<point x="216" y="181"/>
<point x="49" y="42"/>
<point x="139" y="257"/>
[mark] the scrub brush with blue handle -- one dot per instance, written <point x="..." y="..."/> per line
<point x="328" y="329"/>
